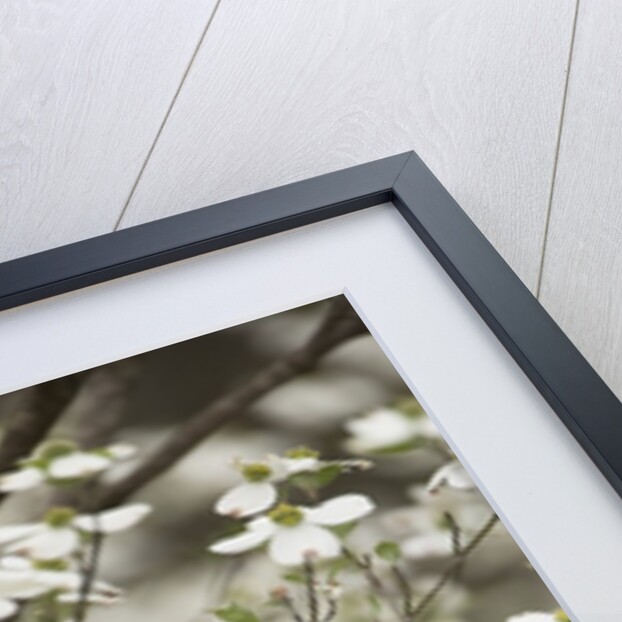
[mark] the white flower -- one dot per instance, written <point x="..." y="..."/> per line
<point x="17" y="585"/>
<point x="451" y="475"/>
<point x="297" y="534"/>
<point x="78" y="465"/>
<point x="121" y="451"/>
<point x="101" y="593"/>
<point x="59" y="535"/>
<point x="21" y="582"/>
<point x="536" y="616"/>
<point x="385" y="429"/>
<point x="258" y="492"/>
<point x="21" y="579"/>
<point x="24" y="479"/>
<point x="246" y="499"/>
<point x="112" y="521"/>
<point x="62" y="461"/>
<point x="8" y="608"/>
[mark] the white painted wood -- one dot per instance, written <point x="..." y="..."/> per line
<point x="553" y="500"/>
<point x="84" y="87"/>
<point x="284" y="90"/>
<point x="582" y="275"/>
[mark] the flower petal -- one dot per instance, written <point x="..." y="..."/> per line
<point x="15" y="562"/>
<point x="114" y="520"/>
<point x="387" y="427"/>
<point x="47" y="544"/>
<point x="78" y="464"/>
<point x="253" y="537"/>
<point x="246" y="499"/>
<point x="339" y="510"/>
<point x="121" y="451"/>
<point x="94" y="598"/>
<point x="292" y="546"/>
<point x="8" y="608"/>
<point x="15" y="532"/>
<point x="24" y="479"/>
<point x="292" y="466"/>
<point x="451" y="475"/>
<point x="59" y="579"/>
<point x="18" y="584"/>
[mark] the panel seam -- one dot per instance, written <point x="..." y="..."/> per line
<point x="167" y="114"/>
<point x="558" y="141"/>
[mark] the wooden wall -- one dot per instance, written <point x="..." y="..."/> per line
<point x="116" y="113"/>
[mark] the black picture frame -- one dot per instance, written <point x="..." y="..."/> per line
<point x="572" y="388"/>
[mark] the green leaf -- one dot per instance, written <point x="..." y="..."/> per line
<point x="388" y="550"/>
<point x="417" y="442"/>
<point x="343" y="531"/>
<point x="294" y="576"/>
<point x="374" y="602"/>
<point x="316" y="479"/>
<point x="409" y="406"/>
<point x="335" y="566"/>
<point x="235" y="613"/>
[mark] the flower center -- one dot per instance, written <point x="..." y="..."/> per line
<point x="56" y="565"/>
<point x="286" y="515"/>
<point x="59" y="517"/>
<point x="297" y="453"/>
<point x="256" y="472"/>
<point x="560" y="616"/>
<point x="55" y="449"/>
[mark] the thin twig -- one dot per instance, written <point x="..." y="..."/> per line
<point x="312" y="600"/>
<point x="365" y="564"/>
<point x="89" y="571"/>
<point x="331" y="612"/>
<point x="405" y="590"/>
<point x="456" y="533"/>
<point x="340" y="325"/>
<point x="289" y="605"/>
<point x="449" y="573"/>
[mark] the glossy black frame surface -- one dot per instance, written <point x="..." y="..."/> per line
<point x="581" y="399"/>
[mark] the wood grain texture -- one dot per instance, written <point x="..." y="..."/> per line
<point x="282" y="91"/>
<point x="84" y="87"/>
<point x="582" y="271"/>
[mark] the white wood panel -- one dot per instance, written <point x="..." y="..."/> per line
<point x="84" y="87"/>
<point x="582" y="275"/>
<point x="281" y="91"/>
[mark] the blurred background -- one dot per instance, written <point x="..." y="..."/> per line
<point x="163" y="564"/>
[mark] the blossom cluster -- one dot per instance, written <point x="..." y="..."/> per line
<point x="44" y="561"/>
<point x="294" y="533"/>
<point x="403" y="427"/>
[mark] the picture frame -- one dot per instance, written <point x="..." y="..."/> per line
<point x="39" y="288"/>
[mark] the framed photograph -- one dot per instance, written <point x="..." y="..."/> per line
<point x="329" y="401"/>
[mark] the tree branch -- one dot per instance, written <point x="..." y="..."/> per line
<point x="95" y="416"/>
<point x="340" y="324"/>
<point x="42" y="407"/>
<point x="102" y="403"/>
